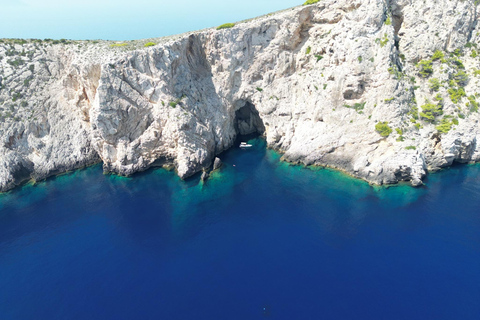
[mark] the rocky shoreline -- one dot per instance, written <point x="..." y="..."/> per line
<point x="384" y="90"/>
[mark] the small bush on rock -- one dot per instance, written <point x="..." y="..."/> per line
<point x="430" y="111"/>
<point x="383" y="129"/>
<point x="438" y="55"/>
<point x="426" y="68"/>
<point x="226" y="26"/>
<point x="434" y="84"/>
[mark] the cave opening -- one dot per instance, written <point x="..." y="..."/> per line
<point x="248" y="121"/>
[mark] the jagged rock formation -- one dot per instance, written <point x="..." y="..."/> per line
<point x="384" y="90"/>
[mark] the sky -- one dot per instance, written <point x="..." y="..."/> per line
<point x="124" y="19"/>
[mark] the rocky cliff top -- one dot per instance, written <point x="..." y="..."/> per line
<point x="384" y="90"/>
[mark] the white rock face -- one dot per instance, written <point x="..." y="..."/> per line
<point x="315" y="80"/>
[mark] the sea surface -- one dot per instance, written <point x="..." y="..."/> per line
<point x="261" y="239"/>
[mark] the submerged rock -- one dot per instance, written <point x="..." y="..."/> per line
<point x="337" y="83"/>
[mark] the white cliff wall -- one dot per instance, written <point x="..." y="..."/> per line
<point x="315" y="80"/>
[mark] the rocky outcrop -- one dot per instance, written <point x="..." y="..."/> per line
<point x="384" y="90"/>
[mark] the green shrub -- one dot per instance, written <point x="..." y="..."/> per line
<point x="430" y="111"/>
<point x="116" y="45"/>
<point x="411" y="148"/>
<point x="226" y="26"/>
<point x="438" y="97"/>
<point x="382" y="42"/>
<point x="426" y="68"/>
<point x="309" y="49"/>
<point x="434" y="84"/>
<point x="259" y="89"/>
<point x="383" y="129"/>
<point x="472" y="104"/>
<point x="357" y="106"/>
<point x="388" y="21"/>
<point x="15" y="63"/>
<point x="319" y="57"/>
<point x="457" y="62"/>
<point x="461" y="78"/>
<point x="310" y="2"/>
<point x="389" y="100"/>
<point x="360" y="59"/>
<point x="149" y="44"/>
<point x="399" y="131"/>
<point x="444" y="126"/>
<point x="414" y="113"/>
<point x="173" y="104"/>
<point x="474" y="53"/>
<point x="456" y="94"/>
<point x="438" y="55"/>
<point x="16" y="96"/>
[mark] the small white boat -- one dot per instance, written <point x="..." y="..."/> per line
<point x="245" y="145"/>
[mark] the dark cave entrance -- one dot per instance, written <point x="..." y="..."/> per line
<point x="248" y="121"/>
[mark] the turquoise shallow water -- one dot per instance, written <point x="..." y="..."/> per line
<point x="261" y="239"/>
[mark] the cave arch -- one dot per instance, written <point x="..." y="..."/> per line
<point x="247" y="120"/>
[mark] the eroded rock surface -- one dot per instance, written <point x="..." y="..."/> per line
<point x="318" y="81"/>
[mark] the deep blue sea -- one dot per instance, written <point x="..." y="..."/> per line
<point x="261" y="239"/>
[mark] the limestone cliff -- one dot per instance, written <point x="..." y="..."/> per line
<point x="384" y="90"/>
